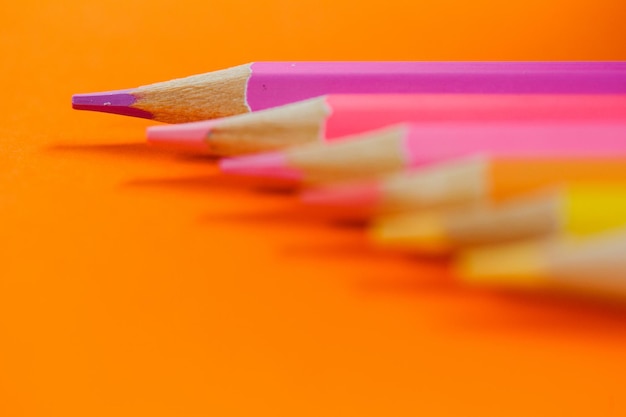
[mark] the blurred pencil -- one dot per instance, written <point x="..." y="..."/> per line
<point x="576" y="209"/>
<point x="332" y="117"/>
<point x="595" y="265"/>
<point x="261" y="85"/>
<point x="467" y="180"/>
<point x="411" y="145"/>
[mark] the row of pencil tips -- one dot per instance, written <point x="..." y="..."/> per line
<point x="515" y="175"/>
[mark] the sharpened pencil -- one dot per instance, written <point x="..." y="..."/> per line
<point x="261" y="85"/>
<point x="412" y="145"/>
<point x="468" y="180"/>
<point x="591" y="266"/>
<point x="333" y="117"/>
<point x="578" y="209"/>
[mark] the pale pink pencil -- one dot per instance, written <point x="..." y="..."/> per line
<point x="410" y="145"/>
<point x="332" y="117"/>
<point x="465" y="181"/>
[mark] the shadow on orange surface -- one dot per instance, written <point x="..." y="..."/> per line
<point x="483" y="312"/>
<point x="530" y="312"/>
<point x="131" y="149"/>
<point x="215" y="181"/>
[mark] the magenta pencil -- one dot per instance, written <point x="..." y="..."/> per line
<point x="261" y="85"/>
<point x="332" y="117"/>
<point x="411" y="145"/>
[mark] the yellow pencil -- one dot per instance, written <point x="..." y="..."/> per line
<point x="596" y="264"/>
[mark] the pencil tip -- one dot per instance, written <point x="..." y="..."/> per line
<point x="269" y="165"/>
<point x="116" y="102"/>
<point x="186" y="136"/>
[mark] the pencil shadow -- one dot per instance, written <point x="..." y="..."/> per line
<point x="292" y="214"/>
<point x="131" y="150"/>
<point x="549" y="313"/>
<point x="420" y="277"/>
<point x="523" y="313"/>
<point x="193" y="158"/>
<point x="214" y="181"/>
<point x="138" y="150"/>
<point x="490" y="311"/>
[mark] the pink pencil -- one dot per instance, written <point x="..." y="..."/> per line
<point x="261" y="85"/>
<point x="333" y="117"/>
<point x="410" y="145"/>
<point x="466" y="181"/>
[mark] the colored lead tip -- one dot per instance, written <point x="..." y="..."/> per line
<point x="267" y="165"/>
<point x="116" y="102"/>
<point x="184" y="137"/>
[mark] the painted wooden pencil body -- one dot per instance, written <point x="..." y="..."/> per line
<point x="471" y="180"/>
<point x="578" y="210"/>
<point x="596" y="265"/>
<point x="261" y="85"/>
<point x="413" y="145"/>
<point x="332" y="117"/>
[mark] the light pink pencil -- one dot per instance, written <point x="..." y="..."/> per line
<point x="410" y="145"/>
<point x="332" y="117"/>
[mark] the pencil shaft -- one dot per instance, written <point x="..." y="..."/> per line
<point x="350" y="114"/>
<point x="507" y="177"/>
<point x="433" y="143"/>
<point x="275" y="83"/>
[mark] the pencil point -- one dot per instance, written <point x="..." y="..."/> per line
<point x="363" y="195"/>
<point x="116" y="102"/>
<point x="269" y="165"/>
<point x="186" y="136"/>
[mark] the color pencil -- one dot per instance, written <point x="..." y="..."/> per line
<point x="411" y="145"/>
<point x="335" y="116"/>
<point x="474" y="179"/>
<point x="261" y="85"/>
<point x="576" y="209"/>
<point x="595" y="265"/>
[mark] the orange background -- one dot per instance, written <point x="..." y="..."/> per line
<point x="135" y="282"/>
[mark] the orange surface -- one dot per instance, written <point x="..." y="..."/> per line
<point x="139" y="283"/>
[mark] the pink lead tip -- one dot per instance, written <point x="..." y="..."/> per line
<point x="186" y="136"/>
<point x="269" y="165"/>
